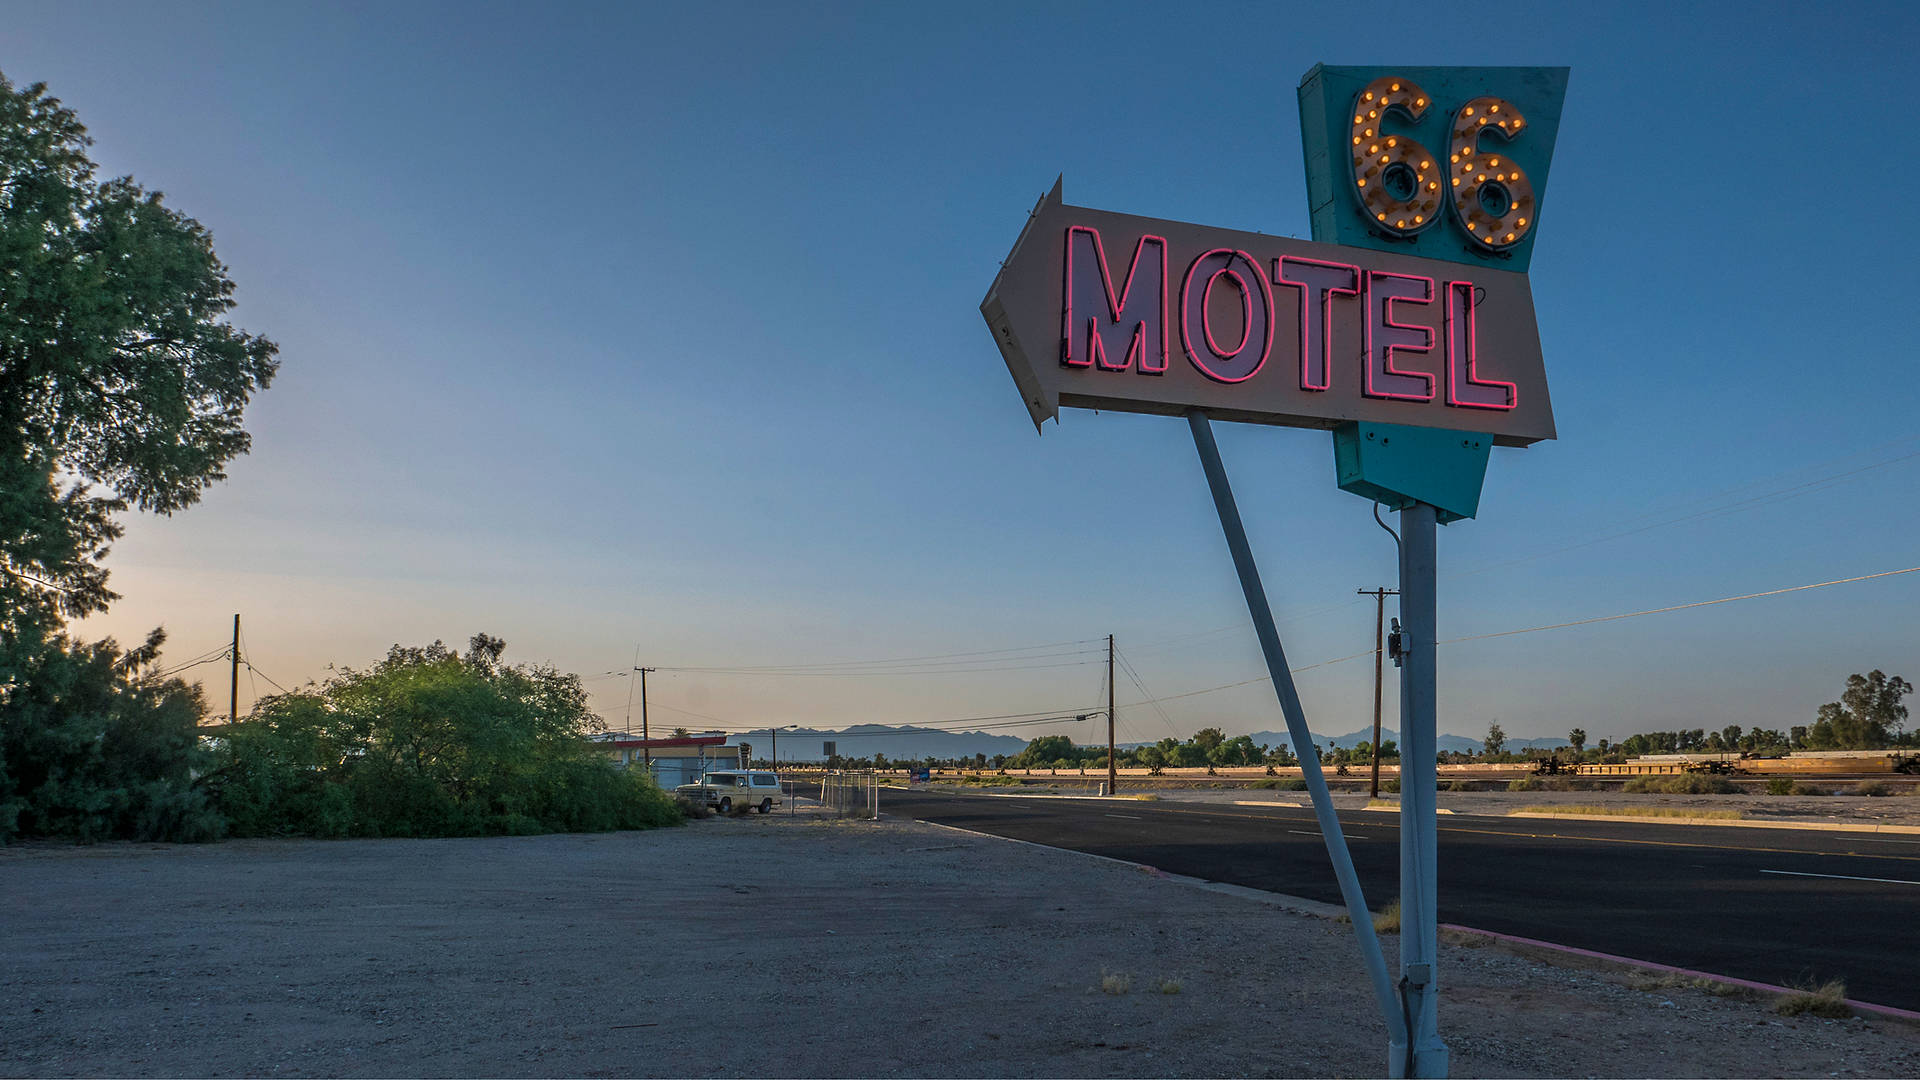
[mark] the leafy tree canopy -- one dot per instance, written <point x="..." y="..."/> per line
<point x="121" y="382"/>
<point x="431" y="743"/>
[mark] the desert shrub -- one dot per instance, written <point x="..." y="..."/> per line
<point x="1779" y="785"/>
<point x="1525" y="783"/>
<point x="1457" y="785"/>
<point x="95" y="746"/>
<point x="430" y="743"/>
<point x="1872" y="787"/>
<point x="1390" y="785"/>
<point x="1810" y="789"/>
<point x="1682" y="784"/>
<point x="1828" y="999"/>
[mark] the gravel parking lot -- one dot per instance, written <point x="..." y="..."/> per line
<point x="774" y="946"/>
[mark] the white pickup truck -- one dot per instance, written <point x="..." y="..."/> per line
<point x="725" y="790"/>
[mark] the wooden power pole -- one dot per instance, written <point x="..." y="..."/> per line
<point x="1379" y="627"/>
<point x="1113" y="764"/>
<point x="233" y="688"/>
<point x="646" y="750"/>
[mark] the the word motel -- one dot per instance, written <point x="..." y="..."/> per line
<point x="1395" y="336"/>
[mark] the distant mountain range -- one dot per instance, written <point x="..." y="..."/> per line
<point x="908" y="741"/>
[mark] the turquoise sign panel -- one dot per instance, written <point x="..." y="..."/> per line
<point x="1440" y="162"/>
<point x="1398" y="466"/>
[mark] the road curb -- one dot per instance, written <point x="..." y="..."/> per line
<point x="1534" y="946"/>
<point x="1544" y="951"/>
<point x="1804" y="826"/>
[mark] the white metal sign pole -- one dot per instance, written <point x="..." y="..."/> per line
<point x="1391" y="1006"/>
<point x="1425" y="1054"/>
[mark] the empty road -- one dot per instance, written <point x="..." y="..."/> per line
<point x="1777" y="906"/>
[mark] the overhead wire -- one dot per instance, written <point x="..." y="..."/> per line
<point x="1559" y="626"/>
<point x="954" y="656"/>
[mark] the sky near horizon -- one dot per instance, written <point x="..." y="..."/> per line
<point x="649" y="330"/>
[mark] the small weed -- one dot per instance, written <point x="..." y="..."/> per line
<point x="1683" y="784"/>
<point x="1677" y="981"/>
<point x="1828" y="999"/>
<point x="1779" y="785"/>
<point x="692" y="809"/>
<point x="1115" y="982"/>
<point x="1872" y="787"/>
<point x="1167" y="986"/>
<point x="1384" y="804"/>
<point x="1387" y="921"/>
<point x="1290" y="784"/>
<point x="1633" y="811"/>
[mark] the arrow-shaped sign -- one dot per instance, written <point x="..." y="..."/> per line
<point x="1111" y="311"/>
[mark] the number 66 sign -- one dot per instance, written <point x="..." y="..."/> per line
<point x="1441" y="162"/>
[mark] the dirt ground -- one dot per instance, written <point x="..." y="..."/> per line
<point x="774" y="947"/>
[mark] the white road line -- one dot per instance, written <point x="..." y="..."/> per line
<point x="1297" y="832"/>
<point x="1843" y="877"/>
<point x="1874" y="840"/>
<point x="1128" y="817"/>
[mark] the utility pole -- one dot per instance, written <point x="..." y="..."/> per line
<point x="233" y="688"/>
<point x="646" y="749"/>
<point x="1379" y="627"/>
<point x="1113" y="765"/>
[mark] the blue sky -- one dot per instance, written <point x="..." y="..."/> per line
<point x="656" y="326"/>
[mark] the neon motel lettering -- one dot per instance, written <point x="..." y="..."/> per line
<point x="1099" y="324"/>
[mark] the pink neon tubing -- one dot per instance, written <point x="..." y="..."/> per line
<point x="1116" y="308"/>
<point x="1457" y="371"/>
<point x="1266" y="297"/>
<point x="1326" y="316"/>
<point x="1206" y="313"/>
<point x="1386" y="318"/>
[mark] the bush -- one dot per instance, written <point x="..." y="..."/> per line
<point x="1390" y="785"/>
<point x="1810" y="789"/>
<point x="1457" y="785"/>
<point x="1289" y="784"/>
<point x="1525" y="783"/>
<point x="94" y="747"/>
<point x="1779" y="785"/>
<point x="1683" y="784"/>
<point x="1872" y="787"/>
<point x="429" y="743"/>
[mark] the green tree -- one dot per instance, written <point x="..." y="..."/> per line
<point x="1496" y="739"/>
<point x="431" y="743"/>
<point x="121" y="382"/>
<point x="1209" y="739"/>
<point x="1578" y="737"/>
<point x="1868" y="716"/>
<point x="97" y="746"/>
<point x="122" y="385"/>
<point x="1239" y="750"/>
<point x="1044" y="752"/>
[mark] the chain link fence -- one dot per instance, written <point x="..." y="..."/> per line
<point x="851" y="794"/>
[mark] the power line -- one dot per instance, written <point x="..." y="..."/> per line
<point x="1683" y="607"/>
<point x="1557" y="626"/>
<point x="761" y="673"/>
<point x="893" y="660"/>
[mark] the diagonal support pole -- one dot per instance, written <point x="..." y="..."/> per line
<point x="1370" y="954"/>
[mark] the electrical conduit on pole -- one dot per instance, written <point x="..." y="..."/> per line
<point x="1370" y="954"/>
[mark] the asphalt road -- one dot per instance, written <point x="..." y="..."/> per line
<point x="1776" y="906"/>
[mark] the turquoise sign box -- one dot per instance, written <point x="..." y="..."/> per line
<point x="1394" y="464"/>
<point x="1328" y="96"/>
